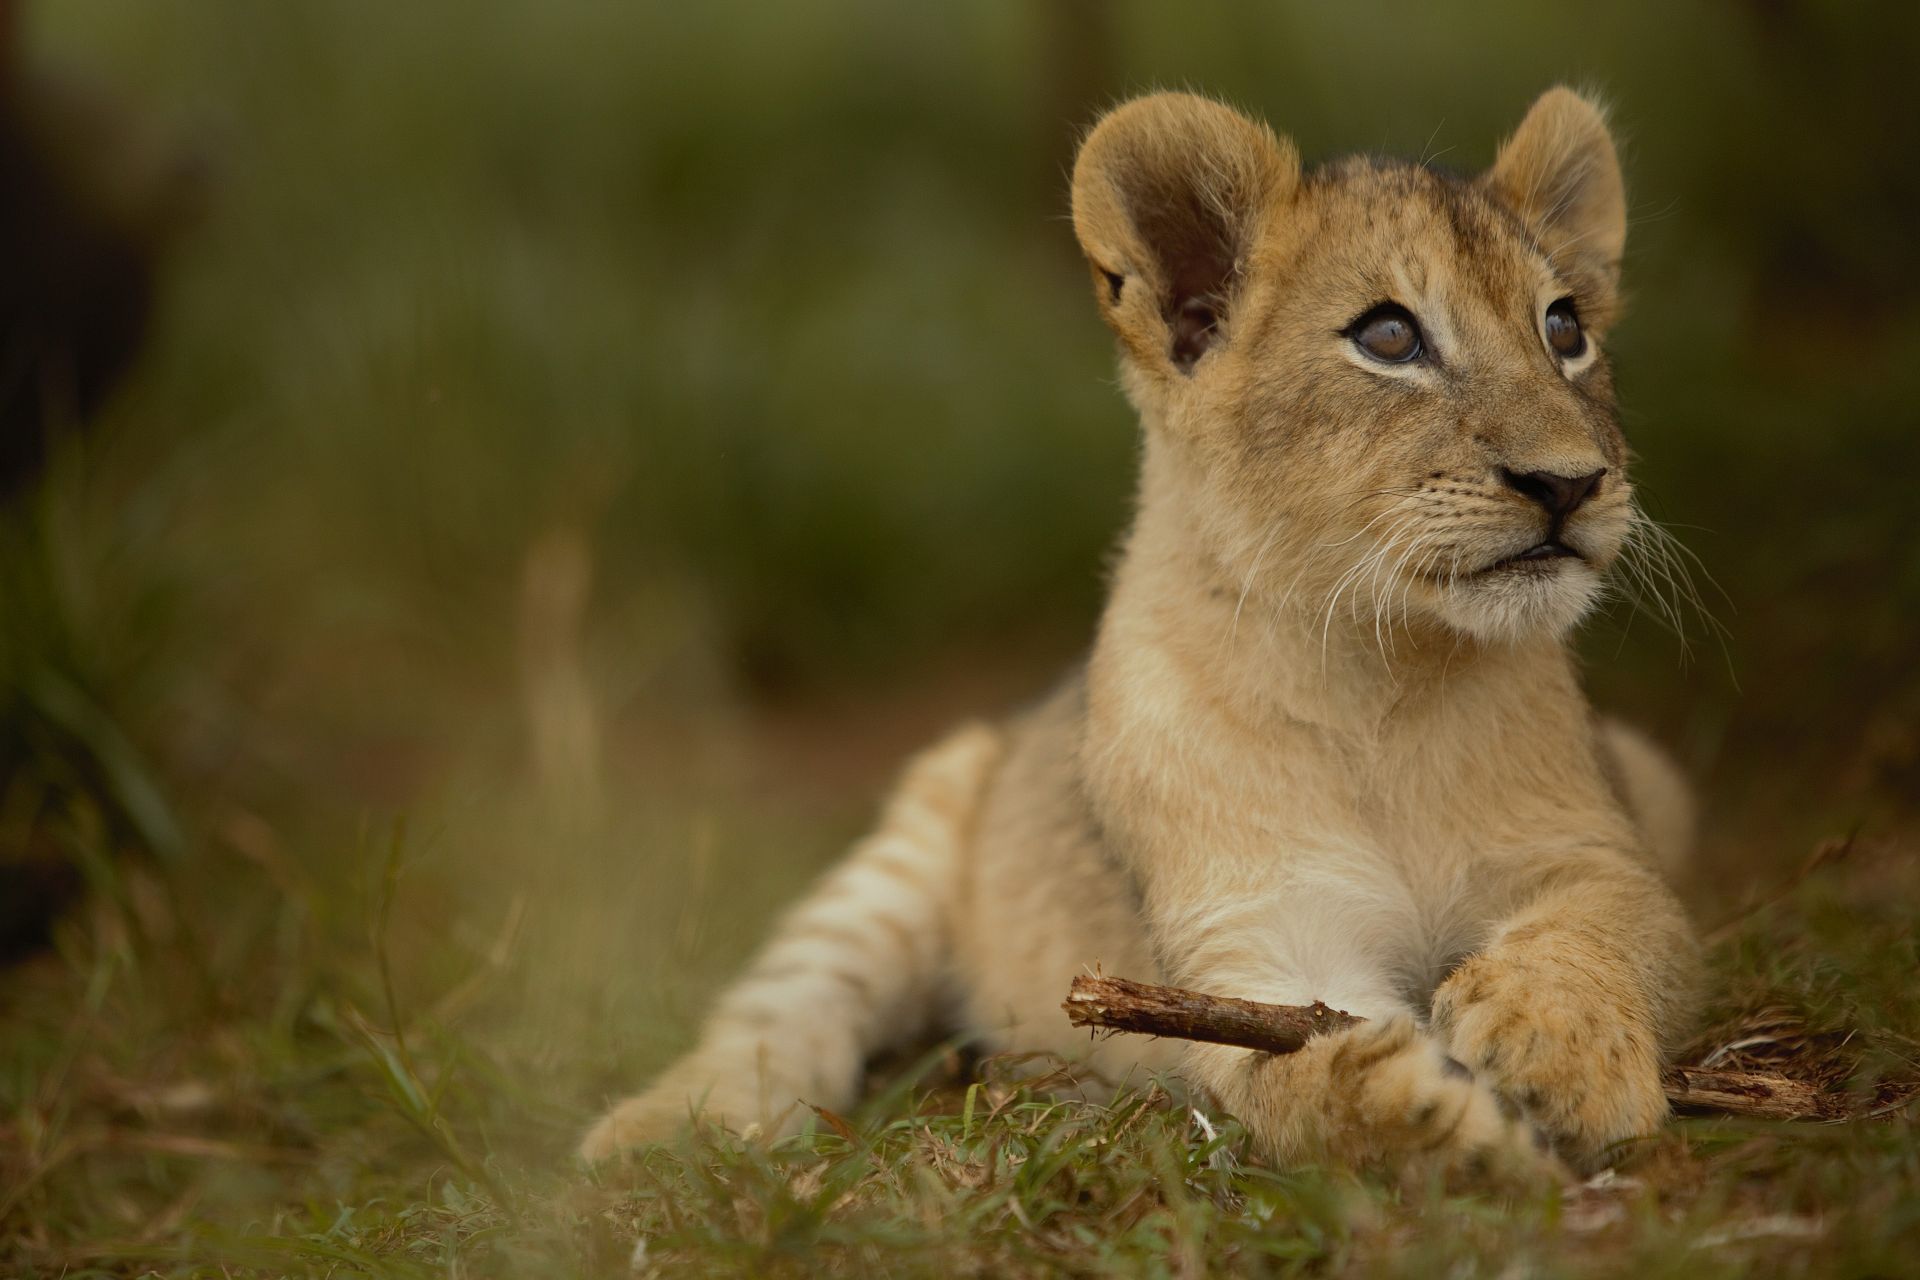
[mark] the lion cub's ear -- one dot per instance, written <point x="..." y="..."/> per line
<point x="1559" y="171"/>
<point x="1169" y="192"/>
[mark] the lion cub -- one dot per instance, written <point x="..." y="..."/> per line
<point x="1329" y="743"/>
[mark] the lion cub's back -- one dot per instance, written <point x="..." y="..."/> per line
<point x="1041" y="902"/>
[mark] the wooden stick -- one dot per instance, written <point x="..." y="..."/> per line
<point x="1115" y="1004"/>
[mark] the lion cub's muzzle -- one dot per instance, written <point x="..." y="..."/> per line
<point x="1558" y="496"/>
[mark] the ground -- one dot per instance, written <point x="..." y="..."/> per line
<point x="244" y="1070"/>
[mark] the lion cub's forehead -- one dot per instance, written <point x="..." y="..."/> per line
<point x="1406" y="232"/>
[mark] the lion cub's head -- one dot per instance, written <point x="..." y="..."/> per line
<point x="1382" y="389"/>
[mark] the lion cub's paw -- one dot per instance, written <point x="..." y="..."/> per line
<point x="1559" y="1041"/>
<point x="668" y="1110"/>
<point x="640" y="1121"/>
<point x="1401" y="1104"/>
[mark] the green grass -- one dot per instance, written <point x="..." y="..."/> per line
<point x="196" y="1090"/>
<point x="584" y="447"/>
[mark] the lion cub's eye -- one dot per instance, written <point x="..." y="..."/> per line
<point x="1388" y="332"/>
<point x="1564" y="333"/>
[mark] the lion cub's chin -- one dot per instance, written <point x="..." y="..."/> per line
<point x="1519" y="602"/>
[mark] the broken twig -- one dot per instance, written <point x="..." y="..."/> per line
<point x="1115" y="1004"/>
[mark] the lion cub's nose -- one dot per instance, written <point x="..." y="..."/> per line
<point x="1559" y="496"/>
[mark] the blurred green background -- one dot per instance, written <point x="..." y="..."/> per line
<point x="609" y="435"/>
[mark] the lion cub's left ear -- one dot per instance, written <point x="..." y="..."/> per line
<point x="1560" y="172"/>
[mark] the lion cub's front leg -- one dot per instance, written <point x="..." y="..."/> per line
<point x="1567" y="1012"/>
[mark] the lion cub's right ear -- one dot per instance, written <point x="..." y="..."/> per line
<point x="1169" y="192"/>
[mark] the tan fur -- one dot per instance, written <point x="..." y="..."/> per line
<point x="1650" y="785"/>
<point x="1322" y="748"/>
<point x="860" y="963"/>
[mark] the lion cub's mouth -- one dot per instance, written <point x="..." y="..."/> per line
<point x="1538" y="558"/>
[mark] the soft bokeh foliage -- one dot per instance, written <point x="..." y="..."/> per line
<point x="775" y="306"/>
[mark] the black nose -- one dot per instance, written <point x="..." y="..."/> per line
<point x="1559" y="496"/>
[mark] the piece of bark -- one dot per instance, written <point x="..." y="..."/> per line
<point x="1116" y="1004"/>
<point x="1760" y="1095"/>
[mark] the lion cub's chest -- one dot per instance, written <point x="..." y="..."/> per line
<point x="1401" y="784"/>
